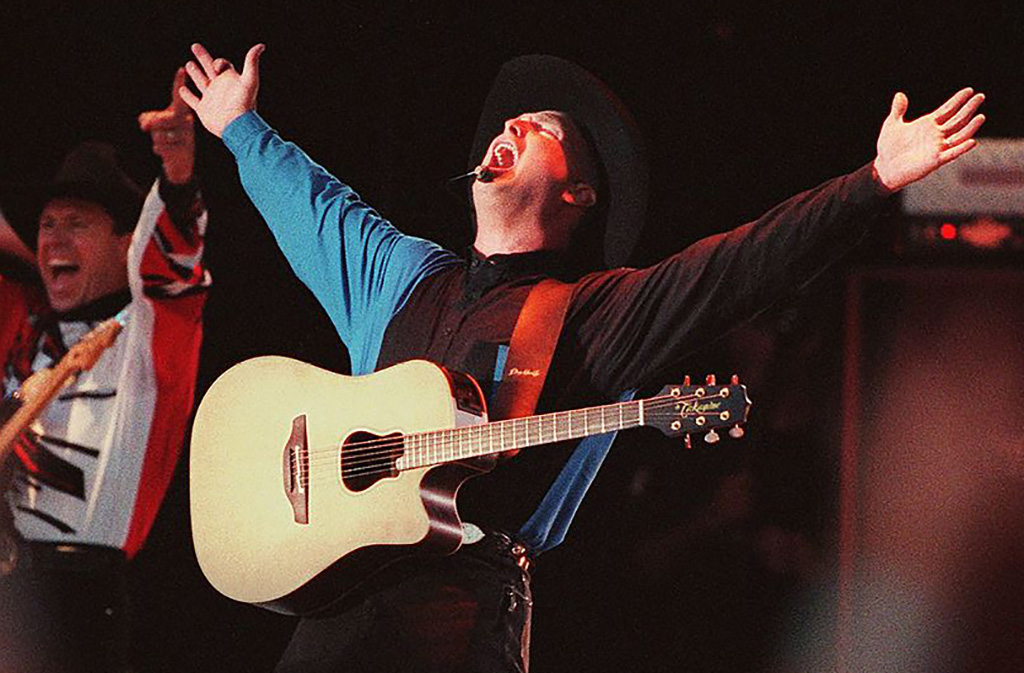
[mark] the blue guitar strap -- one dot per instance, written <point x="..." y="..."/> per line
<point x="547" y="526"/>
<point x="526" y="366"/>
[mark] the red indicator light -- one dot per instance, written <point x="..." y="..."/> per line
<point x="947" y="231"/>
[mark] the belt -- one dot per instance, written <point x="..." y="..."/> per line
<point x="498" y="543"/>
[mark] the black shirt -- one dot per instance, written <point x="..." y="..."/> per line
<point x="624" y="327"/>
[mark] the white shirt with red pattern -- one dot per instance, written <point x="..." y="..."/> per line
<point x="97" y="462"/>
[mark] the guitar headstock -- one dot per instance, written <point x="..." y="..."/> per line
<point x="83" y="355"/>
<point x="684" y="409"/>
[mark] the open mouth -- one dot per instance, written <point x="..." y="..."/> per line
<point x="504" y="156"/>
<point x="61" y="272"/>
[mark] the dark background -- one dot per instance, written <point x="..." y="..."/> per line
<point x="681" y="560"/>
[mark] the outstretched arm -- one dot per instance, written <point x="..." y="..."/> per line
<point x="173" y="135"/>
<point x="908" y="151"/>
<point x="359" y="266"/>
<point x="662" y="313"/>
<point x="170" y="230"/>
<point x="224" y="93"/>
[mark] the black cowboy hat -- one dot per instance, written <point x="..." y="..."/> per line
<point x="539" y="82"/>
<point x="90" y="172"/>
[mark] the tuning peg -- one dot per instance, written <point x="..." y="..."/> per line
<point x="686" y="380"/>
<point x="686" y="441"/>
<point x="735" y="379"/>
<point x="736" y="432"/>
<point x="712" y="437"/>
<point x="710" y="379"/>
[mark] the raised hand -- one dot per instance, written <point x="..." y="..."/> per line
<point x="224" y="93"/>
<point x="908" y="151"/>
<point x="173" y="134"/>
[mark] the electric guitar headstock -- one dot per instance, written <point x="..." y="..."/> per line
<point x="84" y="354"/>
<point x="685" y="409"/>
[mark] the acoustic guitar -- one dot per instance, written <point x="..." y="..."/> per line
<point x="304" y="482"/>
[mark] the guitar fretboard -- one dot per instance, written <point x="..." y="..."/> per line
<point x="443" y="446"/>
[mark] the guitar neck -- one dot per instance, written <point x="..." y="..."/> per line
<point x="40" y="388"/>
<point x="444" y="446"/>
<point x="43" y="392"/>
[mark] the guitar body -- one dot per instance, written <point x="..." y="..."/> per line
<point x="274" y="520"/>
<point x="304" y="482"/>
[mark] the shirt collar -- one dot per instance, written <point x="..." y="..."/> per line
<point x="487" y="272"/>
<point x="105" y="307"/>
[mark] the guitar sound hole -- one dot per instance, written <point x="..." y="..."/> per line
<point x="367" y="458"/>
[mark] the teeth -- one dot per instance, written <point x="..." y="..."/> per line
<point x="62" y="267"/>
<point x="505" y="155"/>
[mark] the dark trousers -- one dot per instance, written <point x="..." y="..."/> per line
<point x="468" y="612"/>
<point x="64" y="609"/>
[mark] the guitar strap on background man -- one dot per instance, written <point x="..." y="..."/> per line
<point x="530" y="350"/>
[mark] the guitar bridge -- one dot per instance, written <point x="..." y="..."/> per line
<point x="296" y="470"/>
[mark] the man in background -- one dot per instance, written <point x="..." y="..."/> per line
<point x="86" y="479"/>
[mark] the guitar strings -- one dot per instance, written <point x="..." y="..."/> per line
<point x="654" y="404"/>
<point x="360" y="452"/>
<point x="382" y="463"/>
<point x="385" y="462"/>
<point x="376" y="456"/>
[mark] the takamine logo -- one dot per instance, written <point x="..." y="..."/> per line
<point x="516" y="371"/>
<point x="699" y="407"/>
